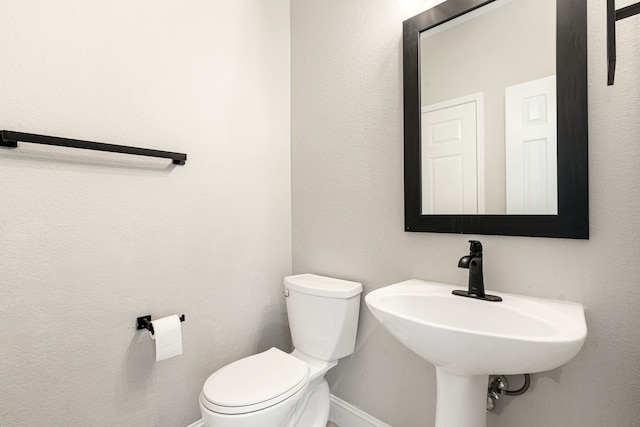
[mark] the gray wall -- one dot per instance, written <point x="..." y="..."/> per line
<point x="347" y="199"/>
<point x="89" y="241"/>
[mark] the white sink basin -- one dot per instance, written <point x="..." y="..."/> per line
<point x="466" y="336"/>
<point x="468" y="339"/>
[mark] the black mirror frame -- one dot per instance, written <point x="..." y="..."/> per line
<point x="572" y="220"/>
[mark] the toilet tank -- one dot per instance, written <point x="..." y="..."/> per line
<point x="323" y="315"/>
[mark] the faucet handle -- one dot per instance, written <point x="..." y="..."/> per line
<point x="475" y="247"/>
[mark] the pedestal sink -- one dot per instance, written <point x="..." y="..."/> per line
<point x="469" y="339"/>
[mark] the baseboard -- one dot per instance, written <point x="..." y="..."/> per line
<point x="345" y="414"/>
<point x="341" y="413"/>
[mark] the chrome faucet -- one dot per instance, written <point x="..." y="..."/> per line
<point x="473" y="262"/>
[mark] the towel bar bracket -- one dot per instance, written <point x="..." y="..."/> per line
<point x="614" y="15"/>
<point x="7" y="143"/>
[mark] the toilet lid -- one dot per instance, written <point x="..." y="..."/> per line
<point x="255" y="382"/>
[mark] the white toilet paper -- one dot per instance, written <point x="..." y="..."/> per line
<point x="168" y="336"/>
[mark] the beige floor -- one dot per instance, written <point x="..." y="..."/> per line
<point x="330" y="424"/>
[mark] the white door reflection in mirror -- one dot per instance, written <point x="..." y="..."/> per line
<point x="451" y="148"/>
<point x="502" y="44"/>
<point x="531" y="162"/>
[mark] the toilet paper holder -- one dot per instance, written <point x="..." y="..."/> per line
<point x="144" y="322"/>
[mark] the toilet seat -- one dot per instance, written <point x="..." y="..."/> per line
<point x="255" y="382"/>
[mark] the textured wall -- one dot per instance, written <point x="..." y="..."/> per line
<point x="90" y="241"/>
<point x="348" y="220"/>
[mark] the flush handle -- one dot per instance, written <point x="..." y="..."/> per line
<point x="285" y="293"/>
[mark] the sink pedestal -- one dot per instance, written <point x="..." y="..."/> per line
<point x="461" y="400"/>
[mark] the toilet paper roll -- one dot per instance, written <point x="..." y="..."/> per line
<point x="168" y="337"/>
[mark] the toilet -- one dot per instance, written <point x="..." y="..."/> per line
<point x="278" y="389"/>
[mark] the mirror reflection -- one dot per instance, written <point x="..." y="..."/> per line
<point x="488" y="131"/>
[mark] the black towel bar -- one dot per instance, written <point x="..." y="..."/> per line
<point x="10" y="139"/>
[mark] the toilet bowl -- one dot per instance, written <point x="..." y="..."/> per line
<point x="277" y="389"/>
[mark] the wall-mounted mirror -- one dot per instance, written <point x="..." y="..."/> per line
<point x="496" y="118"/>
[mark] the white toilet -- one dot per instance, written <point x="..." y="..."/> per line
<point x="276" y="389"/>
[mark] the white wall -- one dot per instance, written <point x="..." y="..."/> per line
<point x="347" y="174"/>
<point x="89" y="241"/>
